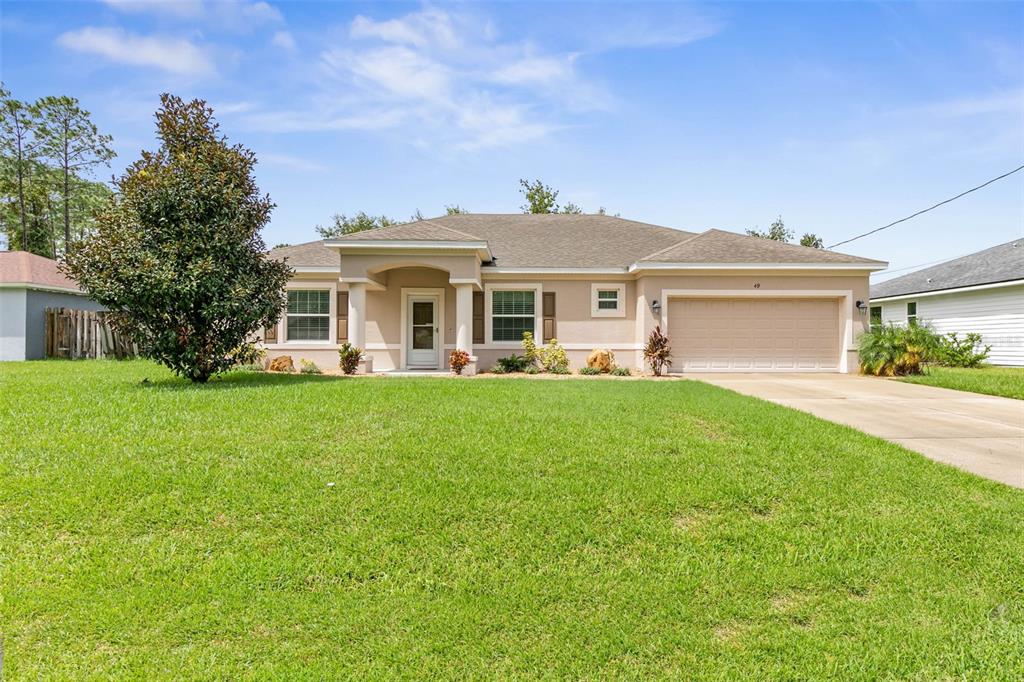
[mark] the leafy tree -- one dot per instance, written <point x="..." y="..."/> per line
<point x="24" y="215"/>
<point x="812" y="240"/>
<point x="454" y="209"/>
<point x="18" y="123"/>
<point x="777" y="232"/>
<point x="780" y="233"/>
<point x="177" y="256"/>
<point x="360" y="221"/>
<point x="539" y="197"/>
<point x="571" y="208"/>
<point x="69" y="138"/>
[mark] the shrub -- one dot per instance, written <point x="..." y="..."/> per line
<point x="513" y="363"/>
<point x="549" y="356"/>
<point x="349" y="357"/>
<point x="532" y="369"/>
<point x="458" y="360"/>
<point x="590" y="371"/>
<point x="621" y="372"/>
<point x="248" y="354"/>
<point x="308" y="367"/>
<point x="498" y="369"/>
<point x="891" y="350"/>
<point x="956" y="352"/>
<point x="560" y="369"/>
<point x="252" y="367"/>
<point x="530" y="350"/>
<point x="657" y="352"/>
<point x="555" y="357"/>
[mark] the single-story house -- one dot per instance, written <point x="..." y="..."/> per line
<point x="982" y="292"/>
<point x="408" y="294"/>
<point x="29" y="284"/>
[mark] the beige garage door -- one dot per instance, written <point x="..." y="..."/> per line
<point x="742" y="334"/>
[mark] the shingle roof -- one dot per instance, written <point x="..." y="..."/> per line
<point x="22" y="267"/>
<point x="431" y="230"/>
<point x="564" y="240"/>
<point x="576" y="241"/>
<point x="1003" y="263"/>
<point x="719" y="246"/>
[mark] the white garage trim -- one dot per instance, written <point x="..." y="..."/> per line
<point x="845" y="294"/>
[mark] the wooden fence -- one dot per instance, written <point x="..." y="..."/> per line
<point x="80" y="334"/>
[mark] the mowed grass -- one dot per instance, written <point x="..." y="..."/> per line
<point x="482" y="529"/>
<point x="1002" y="381"/>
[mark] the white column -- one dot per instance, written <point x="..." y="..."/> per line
<point x="357" y="314"/>
<point x="464" y="317"/>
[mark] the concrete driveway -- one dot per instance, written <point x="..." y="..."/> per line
<point x="977" y="433"/>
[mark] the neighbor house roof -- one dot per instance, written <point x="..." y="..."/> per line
<point x="22" y="267"/>
<point x="1003" y="263"/>
<point x="574" y="241"/>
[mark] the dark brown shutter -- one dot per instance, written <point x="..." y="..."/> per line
<point x="342" y="308"/>
<point x="478" y="317"/>
<point x="549" y="316"/>
<point x="270" y="334"/>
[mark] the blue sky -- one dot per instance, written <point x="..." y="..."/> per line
<point x="840" y="117"/>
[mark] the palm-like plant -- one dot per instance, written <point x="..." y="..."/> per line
<point x="657" y="351"/>
<point x="891" y="350"/>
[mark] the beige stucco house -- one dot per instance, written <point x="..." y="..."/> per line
<point x="409" y="294"/>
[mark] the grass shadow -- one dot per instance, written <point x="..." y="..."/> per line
<point x="234" y="380"/>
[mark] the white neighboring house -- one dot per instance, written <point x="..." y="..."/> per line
<point x="982" y="292"/>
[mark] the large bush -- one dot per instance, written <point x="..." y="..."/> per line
<point x="966" y="352"/>
<point x="891" y="350"/>
<point x="177" y="256"/>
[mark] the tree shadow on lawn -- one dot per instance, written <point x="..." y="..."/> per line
<point x="236" y="380"/>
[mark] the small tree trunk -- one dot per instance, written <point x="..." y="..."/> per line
<point x="67" y="196"/>
<point x="21" y="199"/>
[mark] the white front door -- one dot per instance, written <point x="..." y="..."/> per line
<point x="422" y="342"/>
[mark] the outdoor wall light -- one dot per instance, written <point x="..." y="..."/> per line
<point x="655" y="307"/>
<point x="862" y="307"/>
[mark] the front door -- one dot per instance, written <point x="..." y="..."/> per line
<point x="422" y="333"/>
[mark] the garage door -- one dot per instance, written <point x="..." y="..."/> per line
<point x="738" y="334"/>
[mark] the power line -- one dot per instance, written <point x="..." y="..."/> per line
<point x="919" y="265"/>
<point x="914" y="215"/>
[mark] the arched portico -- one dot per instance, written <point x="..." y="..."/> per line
<point x="391" y="297"/>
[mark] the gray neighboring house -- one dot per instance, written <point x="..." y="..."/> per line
<point x="982" y="292"/>
<point x="29" y="284"/>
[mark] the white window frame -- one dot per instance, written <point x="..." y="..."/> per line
<point x="912" y="319"/>
<point x="597" y="311"/>
<point x="538" y="304"/>
<point x="332" y="316"/>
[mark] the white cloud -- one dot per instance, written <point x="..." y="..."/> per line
<point x="445" y="77"/>
<point x="395" y="70"/>
<point x="284" y="40"/>
<point x="236" y="14"/>
<point x="177" y="8"/>
<point x="431" y="27"/>
<point x="1001" y="102"/>
<point x="543" y="70"/>
<point x="232" y="107"/>
<point x="294" y="163"/>
<point x="173" y="55"/>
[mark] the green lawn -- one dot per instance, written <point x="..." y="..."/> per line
<point x="482" y="528"/>
<point x="1005" y="381"/>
